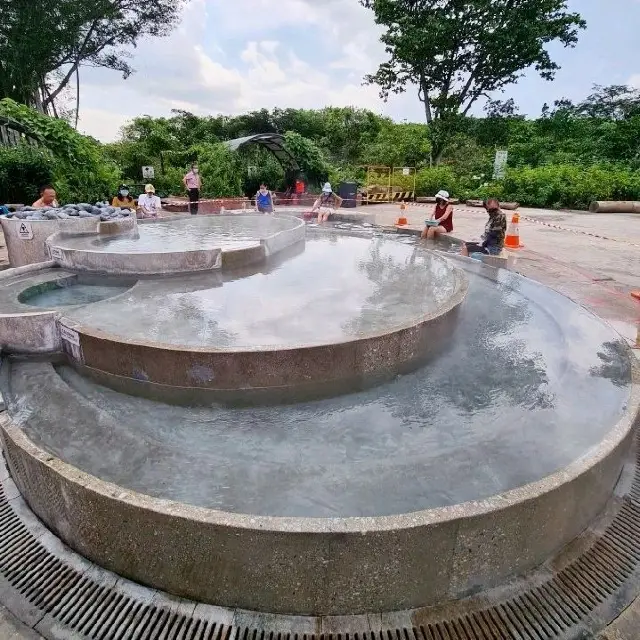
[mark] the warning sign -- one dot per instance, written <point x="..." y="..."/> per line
<point x="25" y="232"/>
<point x="69" y="335"/>
<point x="56" y="253"/>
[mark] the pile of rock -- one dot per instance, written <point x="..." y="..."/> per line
<point x="102" y="211"/>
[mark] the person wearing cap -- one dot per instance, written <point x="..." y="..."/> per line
<point x="443" y="214"/>
<point x="327" y="203"/>
<point x="123" y="199"/>
<point x="494" y="233"/>
<point x="148" y="203"/>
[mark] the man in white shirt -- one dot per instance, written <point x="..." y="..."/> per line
<point x="148" y="203"/>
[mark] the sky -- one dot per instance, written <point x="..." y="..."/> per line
<point x="241" y="55"/>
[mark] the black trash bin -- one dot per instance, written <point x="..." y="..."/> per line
<point x="348" y="191"/>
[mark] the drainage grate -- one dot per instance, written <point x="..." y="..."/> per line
<point x="95" y="604"/>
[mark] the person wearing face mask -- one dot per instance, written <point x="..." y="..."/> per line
<point x="494" y="233"/>
<point x="193" y="184"/>
<point x="264" y="200"/>
<point x="123" y="199"/>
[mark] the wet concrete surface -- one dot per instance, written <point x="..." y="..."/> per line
<point x="529" y="384"/>
<point x="338" y="288"/>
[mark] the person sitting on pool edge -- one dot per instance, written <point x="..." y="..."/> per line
<point x="327" y="203"/>
<point x="124" y="199"/>
<point x="443" y="213"/>
<point x="495" y="232"/>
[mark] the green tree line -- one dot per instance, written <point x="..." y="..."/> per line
<point x="570" y="155"/>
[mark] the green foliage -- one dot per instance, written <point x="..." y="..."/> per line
<point x="44" y="42"/>
<point x="430" y="180"/>
<point x="81" y="171"/>
<point x="309" y="157"/>
<point x="456" y="52"/>
<point x="221" y="170"/>
<point x="400" y="145"/>
<point x="23" y="170"/>
<point x="570" y="186"/>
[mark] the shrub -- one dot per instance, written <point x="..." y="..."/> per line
<point x="23" y="170"/>
<point x="81" y="172"/>
<point x="570" y="185"/>
<point x="430" y="180"/>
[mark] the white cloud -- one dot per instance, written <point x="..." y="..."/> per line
<point x="180" y="73"/>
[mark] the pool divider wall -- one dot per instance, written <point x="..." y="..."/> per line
<point x="333" y="566"/>
<point x="293" y="372"/>
<point x="29" y="248"/>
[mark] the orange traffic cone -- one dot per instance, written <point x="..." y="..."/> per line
<point x="512" y="239"/>
<point x="402" y="220"/>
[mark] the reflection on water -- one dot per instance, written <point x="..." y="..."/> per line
<point x="530" y="383"/>
<point x="339" y="287"/>
<point x="77" y="294"/>
<point x="166" y="236"/>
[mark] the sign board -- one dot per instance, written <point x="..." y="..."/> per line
<point x="69" y="335"/>
<point x="406" y="171"/>
<point x="56" y="253"/>
<point x="148" y="173"/>
<point x="500" y="165"/>
<point x="25" y="232"/>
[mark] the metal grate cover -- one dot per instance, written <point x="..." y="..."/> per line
<point x="64" y="596"/>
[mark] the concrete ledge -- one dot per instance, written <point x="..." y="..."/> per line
<point x="252" y="374"/>
<point x="318" y="566"/>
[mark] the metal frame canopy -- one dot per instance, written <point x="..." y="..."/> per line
<point x="274" y="142"/>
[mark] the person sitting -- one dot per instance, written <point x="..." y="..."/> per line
<point x="494" y="233"/>
<point x="123" y="199"/>
<point x="264" y="200"/>
<point x="47" y="198"/>
<point x="327" y="203"/>
<point x="148" y="203"/>
<point x="443" y="214"/>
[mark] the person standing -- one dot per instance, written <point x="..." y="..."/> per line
<point x="148" y="203"/>
<point x="47" y="198"/>
<point x="264" y="200"/>
<point x="193" y="184"/>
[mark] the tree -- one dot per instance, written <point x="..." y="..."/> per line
<point x="457" y="51"/>
<point x="44" y="43"/>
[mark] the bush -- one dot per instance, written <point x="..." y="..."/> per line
<point x="220" y="169"/>
<point x="430" y="180"/>
<point x="81" y="172"/>
<point x="23" y="170"/>
<point x="570" y="185"/>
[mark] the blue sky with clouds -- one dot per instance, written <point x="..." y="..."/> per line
<point x="230" y="57"/>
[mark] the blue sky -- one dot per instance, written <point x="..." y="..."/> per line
<point x="247" y="54"/>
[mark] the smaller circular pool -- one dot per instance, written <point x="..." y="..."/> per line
<point x="64" y="295"/>
<point x="179" y="245"/>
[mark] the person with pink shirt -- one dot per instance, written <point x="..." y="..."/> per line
<point x="193" y="184"/>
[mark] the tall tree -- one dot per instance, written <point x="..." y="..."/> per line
<point x="457" y="51"/>
<point x="44" y="43"/>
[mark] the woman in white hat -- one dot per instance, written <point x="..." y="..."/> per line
<point x="327" y="203"/>
<point x="443" y="215"/>
<point x="149" y="205"/>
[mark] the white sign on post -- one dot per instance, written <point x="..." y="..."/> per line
<point x="500" y="165"/>
<point x="406" y="171"/>
<point x="25" y="232"/>
<point x="148" y="173"/>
